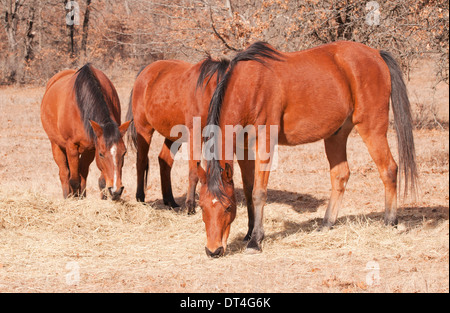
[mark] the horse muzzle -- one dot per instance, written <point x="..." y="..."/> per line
<point x="218" y="253"/>
<point x="115" y="195"/>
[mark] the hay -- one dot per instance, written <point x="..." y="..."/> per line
<point x="132" y="247"/>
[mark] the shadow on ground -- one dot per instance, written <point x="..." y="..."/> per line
<point x="410" y="217"/>
<point x="299" y="202"/>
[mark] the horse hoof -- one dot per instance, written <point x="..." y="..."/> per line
<point x="252" y="250"/>
<point x="172" y="204"/>
<point x="391" y="222"/>
<point x="176" y="209"/>
<point x="190" y="205"/>
<point x="253" y="247"/>
<point x="324" y="228"/>
<point x="191" y="212"/>
<point x="140" y="196"/>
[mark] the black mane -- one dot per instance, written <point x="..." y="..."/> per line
<point x="92" y="105"/>
<point x="259" y="52"/>
<point x="209" y="67"/>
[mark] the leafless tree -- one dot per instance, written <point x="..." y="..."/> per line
<point x="131" y="33"/>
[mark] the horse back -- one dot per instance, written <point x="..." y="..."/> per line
<point x="162" y="94"/>
<point x="309" y="94"/>
<point x="60" y="116"/>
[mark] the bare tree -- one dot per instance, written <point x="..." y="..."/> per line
<point x="72" y="19"/>
<point x="11" y="11"/>
<point x="84" y="37"/>
<point x="131" y="33"/>
<point x="29" y="35"/>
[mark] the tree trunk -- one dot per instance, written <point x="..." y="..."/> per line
<point x="85" y="28"/>
<point x="10" y="21"/>
<point x="29" y="35"/>
<point x="71" y="21"/>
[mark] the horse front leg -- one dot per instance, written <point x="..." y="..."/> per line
<point x="60" y="158"/>
<point x="193" y="180"/>
<point x="165" y="160"/>
<point x="248" y="177"/>
<point x="143" y="145"/>
<point x="85" y="161"/>
<point x="73" y="159"/>
<point x="259" y="197"/>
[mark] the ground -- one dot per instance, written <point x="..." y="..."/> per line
<point x="48" y="244"/>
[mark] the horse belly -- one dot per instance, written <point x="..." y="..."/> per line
<point x="164" y="118"/>
<point x="297" y="129"/>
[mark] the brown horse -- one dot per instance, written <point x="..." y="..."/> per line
<point x="80" y="113"/>
<point x="168" y="93"/>
<point x="320" y="93"/>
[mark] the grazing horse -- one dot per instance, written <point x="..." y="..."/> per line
<point x="319" y="93"/>
<point x="80" y="113"/>
<point x="168" y="93"/>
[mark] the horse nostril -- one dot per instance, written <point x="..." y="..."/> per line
<point x="219" y="252"/>
<point x="115" y="195"/>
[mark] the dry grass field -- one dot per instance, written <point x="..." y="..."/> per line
<point x="132" y="247"/>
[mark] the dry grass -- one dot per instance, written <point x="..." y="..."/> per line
<point x="122" y="247"/>
<point x="132" y="247"/>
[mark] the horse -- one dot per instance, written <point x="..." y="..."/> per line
<point x="319" y="93"/>
<point x="80" y="112"/>
<point x="168" y="93"/>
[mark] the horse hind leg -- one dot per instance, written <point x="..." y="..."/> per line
<point x="377" y="144"/>
<point x="336" y="150"/>
<point x="193" y="180"/>
<point x="143" y="145"/>
<point x="165" y="160"/>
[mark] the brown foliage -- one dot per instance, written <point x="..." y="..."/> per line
<point x="132" y="33"/>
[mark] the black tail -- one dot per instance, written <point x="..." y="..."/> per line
<point x="131" y="132"/>
<point x="260" y="52"/>
<point x="403" y="126"/>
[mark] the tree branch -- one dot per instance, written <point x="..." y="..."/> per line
<point x="217" y="33"/>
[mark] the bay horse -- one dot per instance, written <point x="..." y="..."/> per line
<point x="319" y="93"/>
<point x="80" y="113"/>
<point x="168" y="93"/>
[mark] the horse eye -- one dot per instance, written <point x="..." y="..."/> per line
<point x="228" y="209"/>
<point x="101" y="155"/>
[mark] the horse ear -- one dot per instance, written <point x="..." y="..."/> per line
<point x="227" y="174"/>
<point x="201" y="173"/>
<point x="123" y="128"/>
<point x="97" y="128"/>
